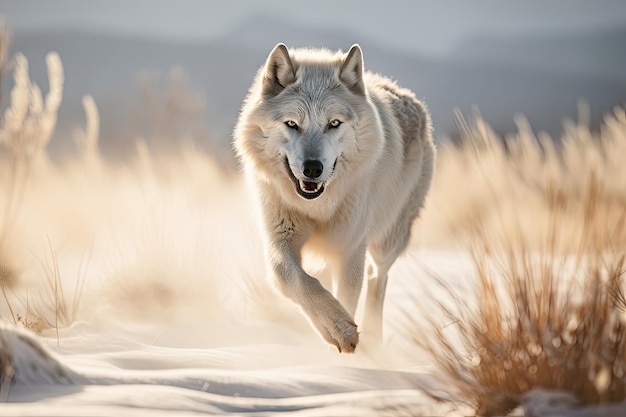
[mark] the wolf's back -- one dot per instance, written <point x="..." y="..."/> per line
<point x="410" y="114"/>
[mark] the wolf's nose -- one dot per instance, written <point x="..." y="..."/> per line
<point x="312" y="168"/>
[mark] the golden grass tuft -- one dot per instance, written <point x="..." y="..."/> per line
<point x="540" y="321"/>
<point x="548" y="241"/>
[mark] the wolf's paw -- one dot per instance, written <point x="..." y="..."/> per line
<point x="334" y="323"/>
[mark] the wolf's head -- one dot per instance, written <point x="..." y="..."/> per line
<point x="309" y="120"/>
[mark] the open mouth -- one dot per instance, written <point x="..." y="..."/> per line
<point x="310" y="189"/>
<point x="307" y="189"/>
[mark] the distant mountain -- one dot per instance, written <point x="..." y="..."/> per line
<point x="598" y="52"/>
<point x="108" y="67"/>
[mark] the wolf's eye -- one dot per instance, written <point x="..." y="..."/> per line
<point x="334" y="123"/>
<point x="291" y="124"/>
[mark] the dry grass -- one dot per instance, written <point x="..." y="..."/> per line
<point x="5" y="39"/>
<point x="27" y="126"/>
<point x="540" y="322"/>
<point x="515" y="182"/>
<point x="547" y="231"/>
<point x="53" y="216"/>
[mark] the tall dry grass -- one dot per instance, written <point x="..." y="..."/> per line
<point x="492" y="184"/>
<point x="25" y="130"/>
<point x="27" y="126"/>
<point x="545" y="221"/>
<point x="90" y="239"/>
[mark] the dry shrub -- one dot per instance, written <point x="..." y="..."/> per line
<point x="541" y="321"/>
<point x="548" y="241"/>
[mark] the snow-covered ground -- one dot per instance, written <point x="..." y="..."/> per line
<point x="256" y="367"/>
<point x="226" y="366"/>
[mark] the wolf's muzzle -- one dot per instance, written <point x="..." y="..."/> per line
<point x="310" y="188"/>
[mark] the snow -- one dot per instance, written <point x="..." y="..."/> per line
<point x="140" y="368"/>
<point x="260" y="367"/>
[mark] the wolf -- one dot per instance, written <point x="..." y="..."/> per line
<point x="339" y="161"/>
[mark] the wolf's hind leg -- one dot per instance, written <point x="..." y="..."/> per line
<point x="348" y="276"/>
<point x="376" y="289"/>
<point x="381" y="257"/>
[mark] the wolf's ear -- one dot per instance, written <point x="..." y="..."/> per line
<point x="279" y="70"/>
<point x="351" y="72"/>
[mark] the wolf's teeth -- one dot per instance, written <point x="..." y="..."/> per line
<point x="308" y="189"/>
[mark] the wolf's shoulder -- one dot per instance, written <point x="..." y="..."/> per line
<point x="410" y="114"/>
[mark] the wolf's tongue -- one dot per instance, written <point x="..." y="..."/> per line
<point x="309" y="186"/>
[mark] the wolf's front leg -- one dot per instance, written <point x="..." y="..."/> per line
<point x="326" y="314"/>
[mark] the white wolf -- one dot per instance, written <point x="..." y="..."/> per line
<point x="340" y="161"/>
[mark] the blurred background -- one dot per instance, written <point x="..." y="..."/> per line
<point x="171" y="72"/>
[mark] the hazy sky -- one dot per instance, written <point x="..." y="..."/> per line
<point x="430" y="26"/>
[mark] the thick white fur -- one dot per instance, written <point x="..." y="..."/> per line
<point x="384" y="157"/>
